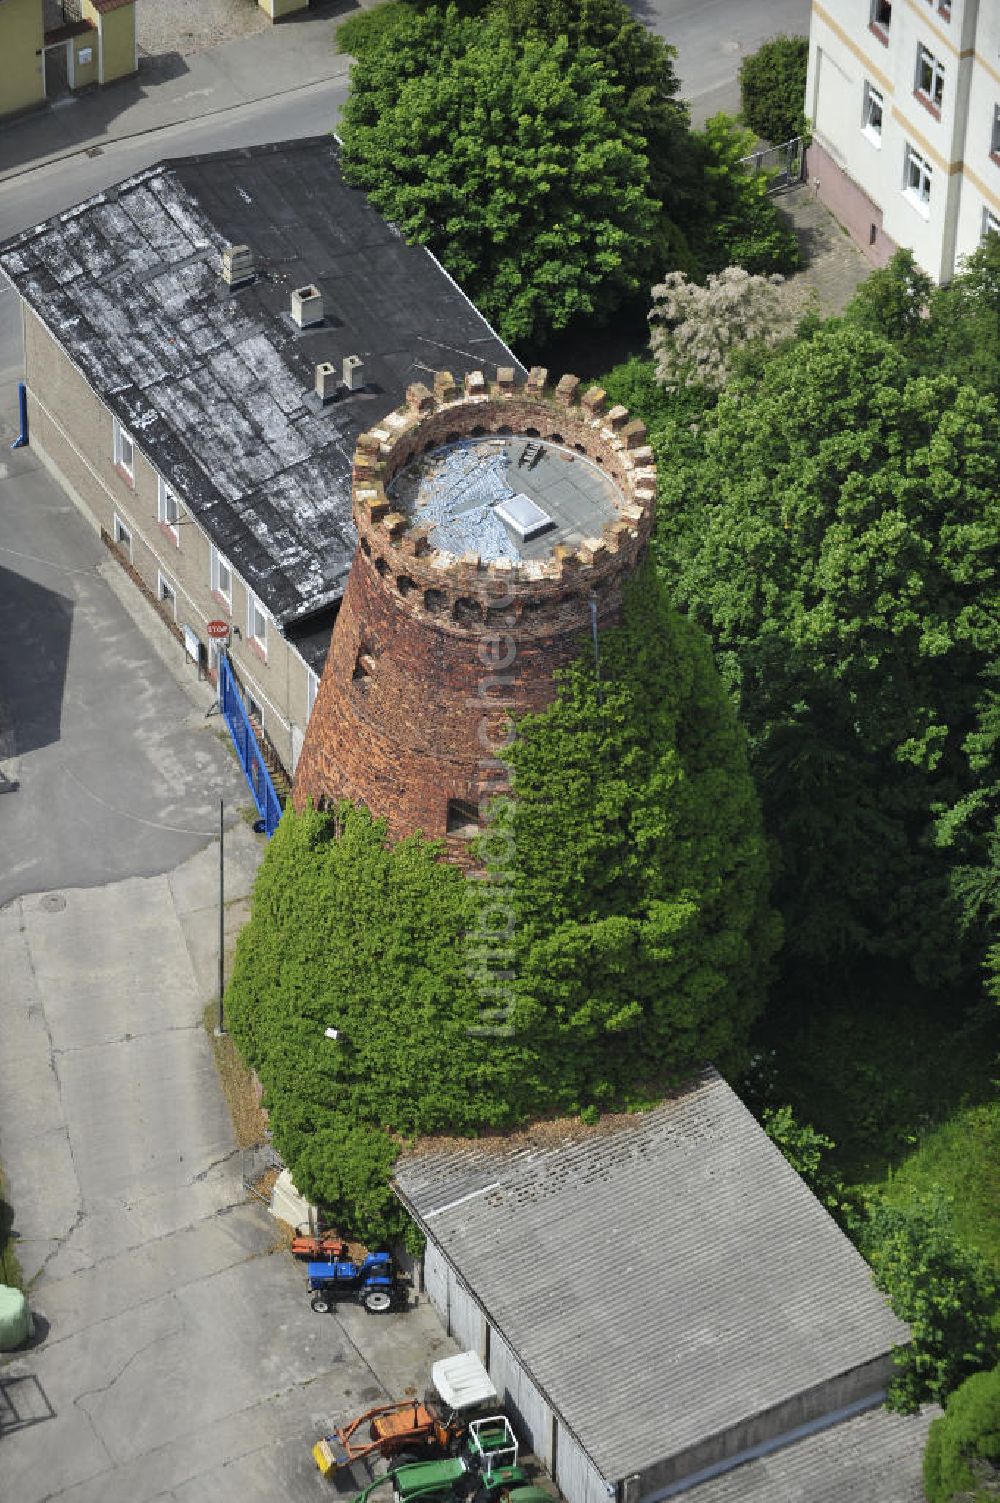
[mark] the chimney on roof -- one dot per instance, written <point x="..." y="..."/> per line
<point x="237" y="264"/>
<point x="354" y="372"/>
<point x="326" y="382"/>
<point x="307" y="306"/>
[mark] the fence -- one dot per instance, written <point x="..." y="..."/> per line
<point x="260" y="1165"/>
<point x="784" y="165"/>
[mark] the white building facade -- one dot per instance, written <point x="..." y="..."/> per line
<point x="904" y="99"/>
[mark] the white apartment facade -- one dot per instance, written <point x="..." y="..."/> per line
<point x="904" y="99"/>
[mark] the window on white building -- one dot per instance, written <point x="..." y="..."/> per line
<point x="881" y="14"/>
<point x="124" y="452"/>
<point x="995" y="140"/>
<point x="167" y="594"/>
<point x="168" y="508"/>
<point x="256" y="622"/>
<point x="123" y="535"/>
<point x="917" y="180"/>
<point x="930" y="77"/>
<point x="222" y="578"/>
<point x="991" y="223"/>
<point x="312" y="689"/>
<point x="872" y="121"/>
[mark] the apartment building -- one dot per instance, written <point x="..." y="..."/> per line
<point x="904" y="97"/>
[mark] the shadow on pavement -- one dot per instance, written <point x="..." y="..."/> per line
<point x="35" y="626"/>
<point x="23" y="1402"/>
<point x="75" y="120"/>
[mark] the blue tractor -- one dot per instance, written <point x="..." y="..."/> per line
<point x="373" y="1283"/>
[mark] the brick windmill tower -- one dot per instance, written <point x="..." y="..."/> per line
<point x="497" y="525"/>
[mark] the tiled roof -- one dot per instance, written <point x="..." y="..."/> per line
<point x="663" y="1278"/>
<point x="214" y="383"/>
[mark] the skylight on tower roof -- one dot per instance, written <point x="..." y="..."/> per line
<point x="523" y="516"/>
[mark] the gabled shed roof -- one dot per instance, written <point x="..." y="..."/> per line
<point x="212" y="381"/>
<point x="663" y="1277"/>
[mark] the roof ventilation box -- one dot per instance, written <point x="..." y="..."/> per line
<point x="307" y="306"/>
<point x="237" y="264"/>
<point x="354" y="372"/>
<point x="326" y="382"/>
<point x="523" y="517"/>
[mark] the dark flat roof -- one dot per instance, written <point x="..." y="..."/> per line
<point x="213" y="383"/>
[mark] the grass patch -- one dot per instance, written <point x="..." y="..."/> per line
<point x="249" y="1121"/>
<point x="962" y="1156"/>
<point x="368" y="28"/>
<point x="10" y="1268"/>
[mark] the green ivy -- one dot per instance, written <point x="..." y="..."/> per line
<point x="625" y="894"/>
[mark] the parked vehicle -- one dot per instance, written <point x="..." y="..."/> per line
<point x="457" y="1480"/>
<point x="461" y="1393"/>
<point x="373" y="1283"/>
<point x="486" y="1472"/>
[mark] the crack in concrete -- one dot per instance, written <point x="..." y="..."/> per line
<point x="78" y="1402"/>
<point x="129" y="1038"/>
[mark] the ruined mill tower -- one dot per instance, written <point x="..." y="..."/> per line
<point x="497" y="524"/>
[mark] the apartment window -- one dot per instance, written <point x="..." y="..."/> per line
<point x="881" y="18"/>
<point x="124" y="452"/>
<point x="874" y="105"/>
<point x="222" y="578"/>
<point x="123" y="535"/>
<point x="312" y="689"/>
<point x="167" y="594"/>
<point x="991" y="223"/>
<point x="930" y="78"/>
<point x="256" y="623"/>
<point x="168" y="508"/>
<point x="917" y="180"/>
<point x="995" y="139"/>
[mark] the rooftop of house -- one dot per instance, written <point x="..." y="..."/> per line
<point x="664" y="1277"/>
<point x="216" y="381"/>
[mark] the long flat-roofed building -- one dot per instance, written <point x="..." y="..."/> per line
<point x="204" y="343"/>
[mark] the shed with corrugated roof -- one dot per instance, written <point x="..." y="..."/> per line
<point x="659" y="1298"/>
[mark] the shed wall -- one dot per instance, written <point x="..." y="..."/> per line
<point x="575" y="1474"/>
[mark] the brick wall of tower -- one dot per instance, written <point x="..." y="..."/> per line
<point x="426" y="644"/>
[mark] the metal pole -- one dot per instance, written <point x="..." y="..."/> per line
<point x="597" y="649"/>
<point x="221" y="1025"/>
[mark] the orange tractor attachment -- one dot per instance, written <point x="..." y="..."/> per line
<point x="414" y="1429"/>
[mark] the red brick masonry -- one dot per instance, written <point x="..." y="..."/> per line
<point x="431" y="653"/>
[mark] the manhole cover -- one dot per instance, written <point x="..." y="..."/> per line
<point x="53" y="902"/>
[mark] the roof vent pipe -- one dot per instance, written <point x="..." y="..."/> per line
<point x="307" y="306"/>
<point x="354" y="372"/>
<point x="326" y="382"/>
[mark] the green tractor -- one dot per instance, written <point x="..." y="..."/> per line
<point x="486" y="1473"/>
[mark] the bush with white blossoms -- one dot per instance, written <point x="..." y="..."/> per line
<point x="697" y="328"/>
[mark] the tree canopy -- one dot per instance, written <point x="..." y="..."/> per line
<point x="773" y="88"/>
<point x="509" y="155"/>
<point x="943" y="1291"/>
<point x="541" y="151"/>
<point x="962" y="1458"/>
<point x="627" y="876"/>
<point x="834" y="526"/>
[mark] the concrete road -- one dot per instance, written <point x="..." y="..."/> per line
<point x="178" y="1357"/>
